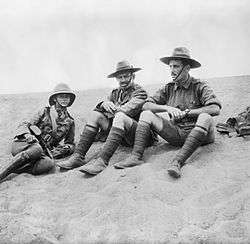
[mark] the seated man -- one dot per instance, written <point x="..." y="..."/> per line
<point x="180" y="113"/>
<point x="116" y="117"/>
<point x="44" y="132"/>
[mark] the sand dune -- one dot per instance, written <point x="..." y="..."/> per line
<point x="209" y="204"/>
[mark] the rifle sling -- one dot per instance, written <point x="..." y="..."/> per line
<point x="53" y="116"/>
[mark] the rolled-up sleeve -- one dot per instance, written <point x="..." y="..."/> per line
<point x="207" y="96"/>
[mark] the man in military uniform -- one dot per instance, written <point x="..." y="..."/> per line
<point x="116" y="117"/>
<point x="180" y="112"/>
<point x="39" y="139"/>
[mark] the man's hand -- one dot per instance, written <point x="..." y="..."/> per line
<point x="61" y="151"/>
<point x="30" y="138"/>
<point x="176" y="113"/>
<point x="109" y="107"/>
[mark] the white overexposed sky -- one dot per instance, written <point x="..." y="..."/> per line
<point x="43" y="42"/>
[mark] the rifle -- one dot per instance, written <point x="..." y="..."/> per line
<point x="35" y="131"/>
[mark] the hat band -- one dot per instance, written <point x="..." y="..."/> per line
<point x="124" y="67"/>
<point x="181" y="55"/>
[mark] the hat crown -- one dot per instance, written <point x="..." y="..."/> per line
<point x="181" y="52"/>
<point x="123" y="65"/>
<point x="61" y="87"/>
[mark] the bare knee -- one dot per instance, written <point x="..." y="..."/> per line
<point x="205" y="117"/>
<point x="205" y="120"/>
<point x="147" y="116"/>
<point x="121" y="120"/>
<point x="98" y="119"/>
<point x="95" y="117"/>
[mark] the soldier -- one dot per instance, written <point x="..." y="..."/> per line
<point x="44" y="132"/>
<point x="180" y="112"/>
<point x="116" y="117"/>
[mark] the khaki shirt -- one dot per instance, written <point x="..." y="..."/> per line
<point x="65" y="128"/>
<point x="191" y="95"/>
<point x="129" y="100"/>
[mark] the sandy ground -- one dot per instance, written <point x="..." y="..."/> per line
<point x="209" y="204"/>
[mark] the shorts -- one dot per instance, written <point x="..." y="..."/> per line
<point x="176" y="135"/>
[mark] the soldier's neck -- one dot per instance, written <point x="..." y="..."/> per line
<point x="182" y="81"/>
<point x="60" y="108"/>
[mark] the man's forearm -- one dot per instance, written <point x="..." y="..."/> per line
<point x="212" y="109"/>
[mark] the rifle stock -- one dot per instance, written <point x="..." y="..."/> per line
<point x="34" y="130"/>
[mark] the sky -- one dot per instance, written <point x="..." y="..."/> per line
<point x="79" y="42"/>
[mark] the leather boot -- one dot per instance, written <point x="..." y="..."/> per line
<point x="18" y="161"/>
<point x="94" y="167"/>
<point x="175" y="169"/>
<point x="75" y="161"/>
<point x="130" y="161"/>
<point x="27" y="168"/>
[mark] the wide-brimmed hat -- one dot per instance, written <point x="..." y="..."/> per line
<point x="182" y="53"/>
<point x="62" y="88"/>
<point x="123" y="66"/>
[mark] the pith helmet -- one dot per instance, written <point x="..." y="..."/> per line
<point x="182" y="53"/>
<point x="62" y="88"/>
<point x="123" y="66"/>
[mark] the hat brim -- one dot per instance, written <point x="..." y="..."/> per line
<point x="133" y="70"/>
<point x="193" y="63"/>
<point x="52" y="97"/>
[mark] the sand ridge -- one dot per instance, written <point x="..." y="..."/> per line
<point x="209" y="204"/>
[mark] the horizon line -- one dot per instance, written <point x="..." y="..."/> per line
<point x="89" y="89"/>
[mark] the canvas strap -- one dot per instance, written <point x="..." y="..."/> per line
<point x="53" y="116"/>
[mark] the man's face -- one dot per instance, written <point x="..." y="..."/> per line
<point x="177" y="69"/>
<point x="63" y="99"/>
<point x="124" y="79"/>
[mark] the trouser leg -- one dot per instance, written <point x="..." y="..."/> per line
<point x="31" y="154"/>
<point x="43" y="165"/>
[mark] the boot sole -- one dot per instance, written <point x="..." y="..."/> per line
<point x="128" y="166"/>
<point x="68" y="167"/>
<point x="88" y="172"/>
<point x="65" y="168"/>
<point x="119" y="167"/>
